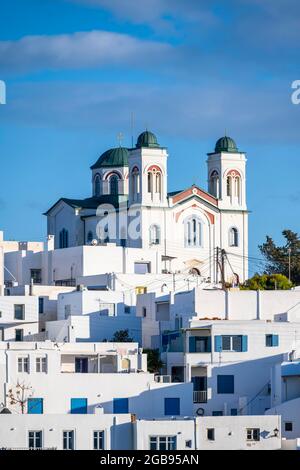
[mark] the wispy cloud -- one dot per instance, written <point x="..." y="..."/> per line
<point x="92" y="49"/>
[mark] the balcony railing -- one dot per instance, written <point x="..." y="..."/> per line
<point x="200" y="396"/>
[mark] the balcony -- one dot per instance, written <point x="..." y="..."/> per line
<point x="200" y="396"/>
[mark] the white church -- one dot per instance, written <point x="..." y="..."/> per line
<point x="204" y="232"/>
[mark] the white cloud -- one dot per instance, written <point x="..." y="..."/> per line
<point x="92" y="49"/>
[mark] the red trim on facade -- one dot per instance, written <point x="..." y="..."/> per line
<point x="234" y="173"/>
<point x="209" y="215"/>
<point x="194" y="190"/>
<point x="154" y="167"/>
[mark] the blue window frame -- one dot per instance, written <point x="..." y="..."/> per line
<point x="217" y="413"/>
<point x="35" y="406"/>
<point x="233" y="411"/>
<point x="121" y="405"/>
<point x="225" y="383"/>
<point x="272" y="341"/>
<point x="78" y="406"/>
<point x="172" y="406"/>
<point x="231" y="343"/>
<point x="199" y="344"/>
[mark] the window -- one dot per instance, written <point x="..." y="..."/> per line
<point x="135" y="178"/>
<point x="231" y="343"/>
<point x="78" y="406"/>
<point x="144" y="312"/>
<point x="154" y="235"/>
<point x="214" y="184"/>
<point x="19" y="335"/>
<point x="114" y="184"/>
<point x="68" y="440"/>
<point x="98" y="438"/>
<point x="41" y="305"/>
<point x="163" y="443"/>
<point x="97" y="186"/>
<point x="90" y="237"/>
<point x="141" y="268"/>
<point x="225" y="383"/>
<point x="154" y="180"/>
<point x="233" y="237"/>
<point x="172" y="406"/>
<point x="193" y="232"/>
<point x="217" y="413"/>
<point x="35" y="439"/>
<point x="229" y="186"/>
<point x="41" y="364"/>
<point x="288" y="426"/>
<point x="19" y="312"/>
<point x="210" y="433"/>
<point x="23" y="364"/>
<point x="63" y="238"/>
<point x="35" y="406"/>
<point x="188" y="444"/>
<point x="234" y="412"/>
<point x="253" y="434"/>
<point x="120" y="405"/>
<point x="36" y="276"/>
<point x="200" y="344"/>
<point x="272" y="341"/>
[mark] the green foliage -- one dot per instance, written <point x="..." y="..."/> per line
<point x="153" y="360"/>
<point x="122" y="336"/>
<point x="277" y="257"/>
<point x="267" y="282"/>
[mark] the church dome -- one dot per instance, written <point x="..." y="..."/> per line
<point x="147" y="139"/>
<point x="226" y="144"/>
<point x="112" y="158"/>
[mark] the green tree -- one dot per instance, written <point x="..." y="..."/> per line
<point x="277" y="257"/>
<point x="267" y="282"/>
<point x="122" y="336"/>
<point x="154" y="362"/>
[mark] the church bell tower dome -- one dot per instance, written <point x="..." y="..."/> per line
<point x="147" y="139"/>
<point x="226" y="144"/>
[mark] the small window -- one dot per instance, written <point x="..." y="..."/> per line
<point x="233" y="411"/>
<point x="253" y="434"/>
<point x="23" y="364"/>
<point x="233" y="237"/>
<point x="68" y="440"/>
<point x="225" y="383"/>
<point x="163" y="443"/>
<point x="63" y="238"/>
<point x="120" y="405"/>
<point x="41" y="364"/>
<point x="19" y="335"/>
<point x="272" y="341"/>
<point x="188" y="444"/>
<point x="172" y="406"/>
<point x="41" y="305"/>
<point x="98" y="440"/>
<point x="114" y="185"/>
<point x="217" y="413"/>
<point x="154" y="235"/>
<point x="141" y="268"/>
<point x="210" y="432"/>
<point x="35" y="439"/>
<point x="19" y="311"/>
<point x="144" y="312"/>
<point x="36" y="276"/>
<point x="97" y="185"/>
<point x="288" y="426"/>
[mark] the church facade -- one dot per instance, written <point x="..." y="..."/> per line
<point x="200" y="232"/>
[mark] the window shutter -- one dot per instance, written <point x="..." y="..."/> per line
<point x="275" y="340"/>
<point x="218" y="343"/>
<point x="209" y="344"/>
<point x="244" y="343"/>
<point x="192" y="344"/>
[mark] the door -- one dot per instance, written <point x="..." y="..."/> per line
<point x="200" y="384"/>
<point x="78" y="406"/>
<point x="81" y="365"/>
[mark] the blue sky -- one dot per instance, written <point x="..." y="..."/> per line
<point x="188" y="69"/>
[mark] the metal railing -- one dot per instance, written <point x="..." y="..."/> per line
<point x="200" y="396"/>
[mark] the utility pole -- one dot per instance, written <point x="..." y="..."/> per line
<point x="289" y="253"/>
<point x="220" y="264"/>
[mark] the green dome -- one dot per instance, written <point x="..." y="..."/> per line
<point x="112" y="158"/>
<point x="226" y="144"/>
<point x="147" y="139"/>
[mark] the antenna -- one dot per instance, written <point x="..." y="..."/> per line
<point x="120" y="138"/>
<point x="132" y="127"/>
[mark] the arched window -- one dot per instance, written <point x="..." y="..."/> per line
<point x="154" y="235"/>
<point x="90" y="236"/>
<point x="233" y="237"/>
<point x="97" y="186"/>
<point x="135" y="182"/>
<point x="214" y="184"/>
<point x="237" y="185"/>
<point x="114" y="184"/>
<point x="193" y="232"/>
<point x="234" y="184"/>
<point x="63" y="238"/>
<point x="154" y="180"/>
<point x="229" y="186"/>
